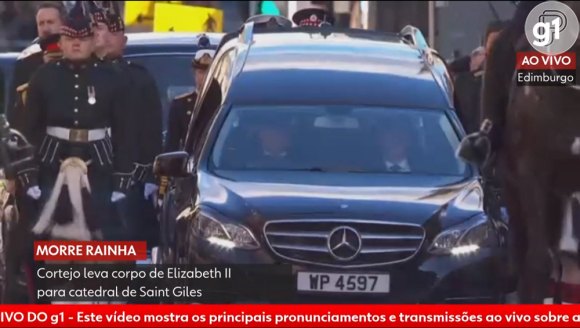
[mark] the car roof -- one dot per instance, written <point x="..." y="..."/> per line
<point x="336" y="69"/>
<point x="167" y="42"/>
<point x="9" y="55"/>
<point x="151" y="38"/>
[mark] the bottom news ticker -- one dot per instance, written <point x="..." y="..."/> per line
<point x="289" y="316"/>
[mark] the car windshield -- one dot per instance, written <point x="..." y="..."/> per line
<point x="338" y="139"/>
<point x="172" y="74"/>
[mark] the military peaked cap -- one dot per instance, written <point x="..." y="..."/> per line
<point x="203" y="58"/>
<point x="312" y="17"/>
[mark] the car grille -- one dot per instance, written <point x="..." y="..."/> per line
<point x="305" y="241"/>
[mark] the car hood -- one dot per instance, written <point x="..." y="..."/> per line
<point x="283" y="195"/>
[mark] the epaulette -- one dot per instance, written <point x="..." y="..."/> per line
<point x="22" y="87"/>
<point x="185" y="95"/>
<point x="31" y="50"/>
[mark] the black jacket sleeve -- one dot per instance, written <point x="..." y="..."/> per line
<point x="174" y="126"/>
<point x="17" y="80"/>
<point x="23" y="70"/>
<point x="123" y="134"/>
<point x="151" y="132"/>
<point x="33" y="125"/>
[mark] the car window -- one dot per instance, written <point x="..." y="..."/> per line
<point x="172" y="74"/>
<point x="338" y="138"/>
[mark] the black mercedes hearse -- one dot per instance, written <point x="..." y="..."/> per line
<point x="284" y="164"/>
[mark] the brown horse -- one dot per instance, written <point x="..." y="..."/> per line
<point x="538" y="161"/>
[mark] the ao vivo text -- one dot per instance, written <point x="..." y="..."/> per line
<point x="535" y="60"/>
<point x="288" y="316"/>
<point x="89" y="251"/>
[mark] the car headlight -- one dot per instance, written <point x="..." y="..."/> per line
<point x="471" y="200"/>
<point x="465" y="238"/>
<point x="217" y="231"/>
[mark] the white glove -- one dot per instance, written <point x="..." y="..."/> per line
<point x="117" y="196"/>
<point x="34" y="192"/>
<point x="150" y="189"/>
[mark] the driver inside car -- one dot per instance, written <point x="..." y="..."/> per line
<point x="274" y="138"/>
<point x="395" y="142"/>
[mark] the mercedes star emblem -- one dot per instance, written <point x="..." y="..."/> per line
<point x="344" y="243"/>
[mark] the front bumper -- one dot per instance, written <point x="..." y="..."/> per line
<point x="426" y="278"/>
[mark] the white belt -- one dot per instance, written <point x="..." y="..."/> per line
<point x="76" y="135"/>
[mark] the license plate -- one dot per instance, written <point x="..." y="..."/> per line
<point x="343" y="283"/>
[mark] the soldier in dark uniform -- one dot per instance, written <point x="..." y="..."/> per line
<point x="49" y="51"/>
<point x="49" y="18"/>
<point x="140" y="211"/>
<point x="69" y="120"/>
<point x="182" y="106"/>
<point x="79" y="170"/>
<point x="479" y="147"/>
<point x="150" y="108"/>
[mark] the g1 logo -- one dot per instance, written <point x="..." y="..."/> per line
<point x="546" y="32"/>
<point x="552" y="28"/>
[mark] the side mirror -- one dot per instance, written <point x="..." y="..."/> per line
<point x="173" y="165"/>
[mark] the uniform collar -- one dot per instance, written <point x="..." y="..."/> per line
<point x="77" y="64"/>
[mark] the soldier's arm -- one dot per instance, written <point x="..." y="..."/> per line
<point x="153" y="127"/>
<point x="33" y="127"/>
<point x="123" y="134"/>
<point x="17" y="80"/>
<point x="174" y="132"/>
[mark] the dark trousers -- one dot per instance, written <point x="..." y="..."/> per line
<point x="142" y="217"/>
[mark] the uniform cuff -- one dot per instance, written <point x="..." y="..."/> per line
<point x="142" y="173"/>
<point x="122" y="182"/>
<point x="28" y="178"/>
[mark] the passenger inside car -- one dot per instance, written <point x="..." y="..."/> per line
<point x="395" y="142"/>
<point x="272" y="133"/>
<point x="342" y="139"/>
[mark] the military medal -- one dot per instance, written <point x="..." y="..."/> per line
<point x="91" y="92"/>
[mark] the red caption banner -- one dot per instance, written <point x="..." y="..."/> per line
<point x="98" y="251"/>
<point x="289" y="316"/>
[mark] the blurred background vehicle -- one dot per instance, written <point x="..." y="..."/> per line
<point x="454" y="28"/>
